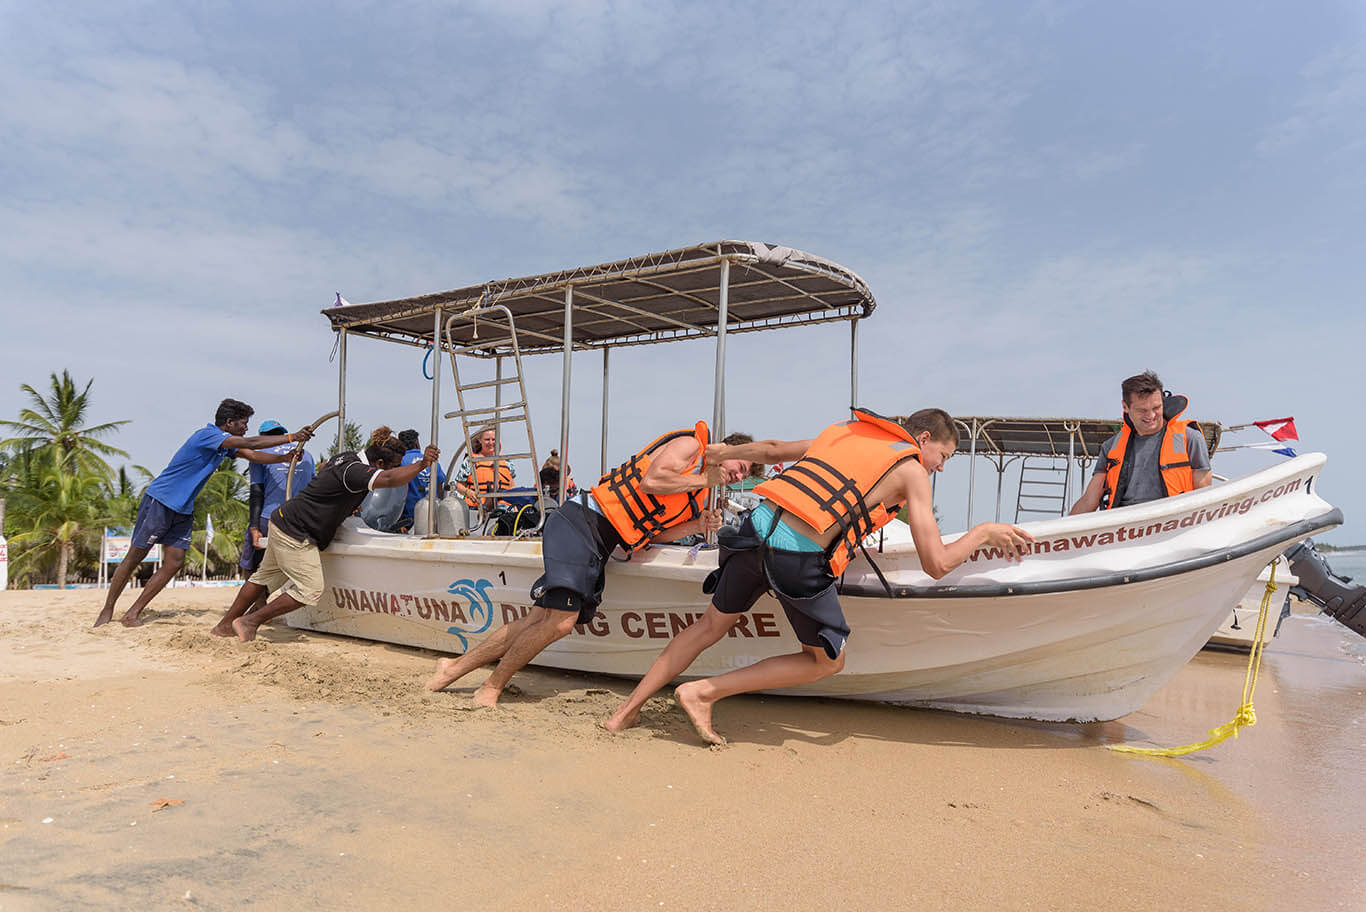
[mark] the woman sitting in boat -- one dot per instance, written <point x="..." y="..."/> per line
<point x="475" y="478"/>
<point x="1156" y="453"/>
<point x="849" y="482"/>
<point x="303" y="526"/>
<point x="659" y="494"/>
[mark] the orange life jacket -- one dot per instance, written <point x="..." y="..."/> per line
<point x="829" y="485"/>
<point x="483" y="479"/>
<point x="638" y="516"/>
<point x="1173" y="460"/>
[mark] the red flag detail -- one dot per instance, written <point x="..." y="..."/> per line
<point x="1279" y="428"/>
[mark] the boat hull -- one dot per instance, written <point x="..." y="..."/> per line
<point x="1086" y="628"/>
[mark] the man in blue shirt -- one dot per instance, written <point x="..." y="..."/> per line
<point x="268" y="485"/>
<point x="166" y="513"/>
<point x="417" y="488"/>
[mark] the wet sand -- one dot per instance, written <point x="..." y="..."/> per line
<point x="313" y="770"/>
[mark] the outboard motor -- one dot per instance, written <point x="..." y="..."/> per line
<point x="1339" y="598"/>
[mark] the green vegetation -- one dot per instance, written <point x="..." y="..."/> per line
<point x="349" y="441"/>
<point x="58" y="493"/>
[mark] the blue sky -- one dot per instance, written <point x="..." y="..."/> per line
<point x="1043" y="197"/>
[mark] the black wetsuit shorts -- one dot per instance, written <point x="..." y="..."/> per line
<point x="575" y="545"/>
<point x="800" y="580"/>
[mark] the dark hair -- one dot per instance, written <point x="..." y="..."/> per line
<point x="231" y="410"/>
<point x="408" y="438"/>
<point x="756" y="469"/>
<point x="935" y="420"/>
<point x="275" y="432"/>
<point x="1140" y="385"/>
<point x="384" y="446"/>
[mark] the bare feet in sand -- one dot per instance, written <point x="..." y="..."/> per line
<point x="698" y="710"/>
<point x="131" y="620"/>
<point x="620" y="721"/>
<point x="485" y="697"/>
<point x="444" y="676"/>
<point x="223" y="630"/>
<point x="246" y="631"/>
<point x="105" y="617"/>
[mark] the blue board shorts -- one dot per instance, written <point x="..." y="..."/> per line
<point x="157" y="524"/>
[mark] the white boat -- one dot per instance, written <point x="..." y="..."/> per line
<point x="1104" y="612"/>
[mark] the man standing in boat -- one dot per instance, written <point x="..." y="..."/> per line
<point x="166" y="512"/>
<point x="850" y="481"/>
<point x="659" y="494"/>
<point x="1156" y="453"/>
<point x="417" y="488"/>
<point x="303" y="526"/>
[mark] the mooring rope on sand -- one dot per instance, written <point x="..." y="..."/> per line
<point x="1245" y="715"/>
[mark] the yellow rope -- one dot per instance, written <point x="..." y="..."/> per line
<point x="1245" y="715"/>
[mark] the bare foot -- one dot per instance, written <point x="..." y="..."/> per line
<point x="444" y="676"/>
<point x="131" y="620"/>
<point x="485" y="697"/>
<point x="223" y="630"/>
<point x="246" y="631"/>
<point x="620" y="721"/>
<point x="105" y="617"/>
<point x="698" y="710"/>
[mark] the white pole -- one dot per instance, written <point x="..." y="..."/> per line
<point x="564" y="392"/>
<point x="432" y="471"/>
<point x="602" y="458"/>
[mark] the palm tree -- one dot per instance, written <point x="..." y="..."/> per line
<point x="349" y="440"/>
<point x="60" y="507"/>
<point x="54" y="429"/>
<point x="123" y="494"/>
<point x="224" y="497"/>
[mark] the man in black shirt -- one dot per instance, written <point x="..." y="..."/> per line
<point x="303" y="527"/>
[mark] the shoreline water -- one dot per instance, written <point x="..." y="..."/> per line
<point x="314" y="769"/>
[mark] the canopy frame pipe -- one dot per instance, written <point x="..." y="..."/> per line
<point x="564" y="392"/>
<point x="602" y="455"/>
<point x="718" y="406"/>
<point x="341" y="391"/>
<point x="853" y="364"/>
<point x="436" y="421"/>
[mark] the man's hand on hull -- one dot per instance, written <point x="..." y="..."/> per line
<point x="1014" y="541"/>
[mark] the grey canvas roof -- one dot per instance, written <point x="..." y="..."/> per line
<point x="659" y="297"/>
<point x="998" y="436"/>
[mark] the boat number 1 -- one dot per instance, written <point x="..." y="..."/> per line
<point x="503" y="576"/>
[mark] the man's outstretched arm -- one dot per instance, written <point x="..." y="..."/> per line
<point x="937" y="558"/>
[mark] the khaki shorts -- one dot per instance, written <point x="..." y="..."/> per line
<point x="291" y="567"/>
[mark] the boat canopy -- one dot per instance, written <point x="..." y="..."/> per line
<point x="661" y="297"/>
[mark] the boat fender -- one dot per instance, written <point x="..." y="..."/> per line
<point x="1336" y="595"/>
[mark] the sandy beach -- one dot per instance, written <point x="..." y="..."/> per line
<point x="162" y="767"/>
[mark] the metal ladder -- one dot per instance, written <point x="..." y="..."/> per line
<point x="475" y="414"/>
<point x="1043" y="486"/>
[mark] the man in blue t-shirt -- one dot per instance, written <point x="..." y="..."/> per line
<point x="166" y="513"/>
<point x="417" y="488"/>
<point x="268" y="484"/>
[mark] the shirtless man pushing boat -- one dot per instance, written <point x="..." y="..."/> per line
<point x="659" y="494"/>
<point x="850" y="481"/>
